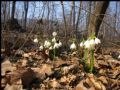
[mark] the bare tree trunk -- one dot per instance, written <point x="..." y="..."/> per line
<point x="97" y="17"/>
<point x="64" y="23"/>
<point x="70" y="18"/>
<point x="8" y="17"/>
<point x="13" y="9"/>
<point x="71" y="11"/>
<point x="78" y="17"/>
<point x="74" y="18"/>
<point x="48" y="17"/>
<point x="26" y="3"/>
<point x="88" y="14"/>
<point x="4" y="10"/>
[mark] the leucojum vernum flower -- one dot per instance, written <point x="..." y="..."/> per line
<point x="89" y="45"/>
<point x="56" y="44"/>
<point x="73" y="46"/>
<point x="49" y="45"/>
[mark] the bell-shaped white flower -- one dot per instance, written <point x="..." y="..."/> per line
<point x="56" y="45"/>
<point x="87" y="44"/>
<point x="47" y="44"/>
<point x="97" y="41"/>
<point x="60" y="44"/>
<point x="54" y="40"/>
<point x="92" y="42"/>
<point x="54" y="34"/>
<point x="41" y="48"/>
<point x="50" y="48"/>
<point x="119" y="57"/>
<point x="81" y="44"/>
<point x="35" y="40"/>
<point x="73" y="46"/>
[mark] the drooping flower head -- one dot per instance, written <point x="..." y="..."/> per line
<point x="73" y="46"/>
<point x="54" y="34"/>
<point x="50" y="48"/>
<point x="47" y="44"/>
<point x="92" y="43"/>
<point x="60" y="44"/>
<point x="41" y="48"/>
<point x="56" y="45"/>
<point x="97" y="41"/>
<point x="35" y="40"/>
<point x="54" y="40"/>
<point x="87" y="44"/>
<point x="81" y="44"/>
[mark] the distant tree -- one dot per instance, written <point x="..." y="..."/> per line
<point x="97" y="17"/>
<point x="78" y="17"/>
<point x="65" y="24"/>
<point x="26" y="3"/>
<point x="13" y="9"/>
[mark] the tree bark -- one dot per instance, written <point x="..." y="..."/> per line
<point x="65" y="24"/>
<point x="78" y="17"/>
<point x="97" y="17"/>
<point x="13" y="9"/>
<point x="26" y="3"/>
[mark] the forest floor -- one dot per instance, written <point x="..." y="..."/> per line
<point x="33" y="71"/>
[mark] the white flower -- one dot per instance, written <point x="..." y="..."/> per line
<point x="47" y="44"/>
<point x="35" y="40"/>
<point x="92" y="43"/>
<point x="25" y="55"/>
<point x="97" y="41"/>
<point x="60" y="44"/>
<point x="54" y="34"/>
<point x="54" y="40"/>
<point x="50" y="48"/>
<point x="41" y="48"/>
<point x="81" y="44"/>
<point x="56" y="45"/>
<point x="119" y="57"/>
<point x="87" y="44"/>
<point x="72" y="46"/>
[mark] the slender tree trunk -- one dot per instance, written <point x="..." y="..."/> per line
<point x="8" y="17"/>
<point x="88" y="14"/>
<point x="78" y="17"/>
<point x="26" y="3"/>
<point x="65" y="24"/>
<point x="4" y="10"/>
<point x="13" y="9"/>
<point x="48" y="17"/>
<point x="70" y="18"/>
<point x="74" y="19"/>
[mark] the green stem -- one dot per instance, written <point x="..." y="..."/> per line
<point x="85" y="56"/>
<point x="92" y="61"/>
<point x="54" y="53"/>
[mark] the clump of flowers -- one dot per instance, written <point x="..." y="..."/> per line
<point x="56" y="44"/>
<point x="47" y="44"/>
<point x="89" y="46"/>
<point x="50" y="46"/>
